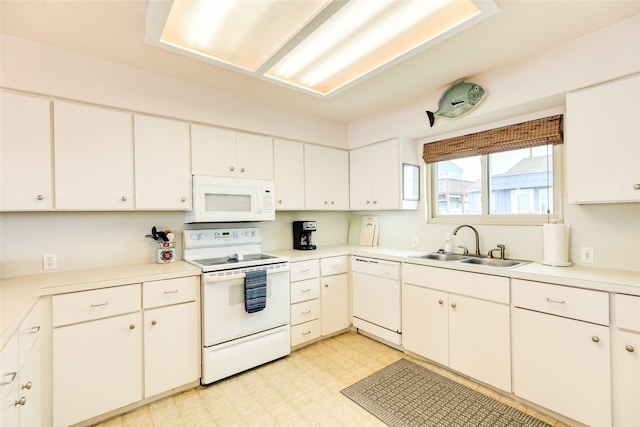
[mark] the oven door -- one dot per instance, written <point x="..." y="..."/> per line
<point x="224" y="317"/>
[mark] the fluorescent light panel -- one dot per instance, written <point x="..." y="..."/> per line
<point x="318" y="46"/>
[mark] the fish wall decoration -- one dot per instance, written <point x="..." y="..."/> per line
<point x="458" y="100"/>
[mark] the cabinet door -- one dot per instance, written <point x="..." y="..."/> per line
<point x="254" y="156"/>
<point x="335" y="303"/>
<point x="385" y="180"/>
<point x="93" y="158"/>
<point x="289" y="174"/>
<point x="626" y="385"/>
<point x="213" y="151"/>
<point x="326" y="178"/>
<point x="479" y="340"/>
<point x="25" y="153"/>
<point x="162" y="163"/>
<point x="603" y="153"/>
<point x="564" y="365"/>
<point x="360" y="194"/>
<point x="425" y="329"/>
<point x="97" y="367"/>
<point x="171" y="347"/>
<point x="31" y="389"/>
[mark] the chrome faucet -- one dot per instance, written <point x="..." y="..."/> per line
<point x="477" y="236"/>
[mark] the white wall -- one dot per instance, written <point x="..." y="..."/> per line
<point x="99" y="239"/>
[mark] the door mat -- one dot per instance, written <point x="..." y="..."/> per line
<point x="406" y="394"/>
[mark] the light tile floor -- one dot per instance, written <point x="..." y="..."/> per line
<point x="302" y="389"/>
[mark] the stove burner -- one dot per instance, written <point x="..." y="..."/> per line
<point x="231" y="259"/>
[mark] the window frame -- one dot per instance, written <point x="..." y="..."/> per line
<point x="431" y="202"/>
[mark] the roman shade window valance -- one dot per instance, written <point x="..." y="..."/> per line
<point x="533" y="133"/>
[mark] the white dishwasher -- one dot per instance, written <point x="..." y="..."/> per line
<point x="376" y="297"/>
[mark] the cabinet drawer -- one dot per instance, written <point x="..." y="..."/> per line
<point x="305" y="290"/>
<point x="334" y="265"/>
<point x="303" y="270"/>
<point x="305" y="311"/>
<point x="305" y="332"/>
<point x="167" y="292"/>
<point x="96" y="304"/>
<point x="628" y="312"/>
<point x="580" y="304"/>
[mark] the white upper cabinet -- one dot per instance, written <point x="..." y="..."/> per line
<point x="288" y="172"/>
<point x="162" y="163"/>
<point x="603" y="143"/>
<point x="326" y="183"/>
<point x="376" y="175"/>
<point x="25" y="153"/>
<point x="223" y="152"/>
<point x="93" y="158"/>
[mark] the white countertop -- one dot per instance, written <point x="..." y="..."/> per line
<point x="18" y="294"/>
<point x="619" y="281"/>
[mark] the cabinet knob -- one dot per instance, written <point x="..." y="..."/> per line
<point x="375" y="202"/>
<point x="183" y="199"/>
<point x="326" y="202"/>
<point x="279" y="201"/>
<point x="595" y="339"/>
<point x="453" y="305"/>
<point x="326" y="285"/>
<point x="124" y="198"/>
<point x="154" y="322"/>
<point x="39" y="197"/>
<point x="440" y="302"/>
<point x="28" y="386"/>
<point x="241" y="169"/>
<point x="132" y="326"/>
<point x="332" y="202"/>
<point x="232" y="168"/>
<point x="629" y="348"/>
<point x="368" y="202"/>
<point x="22" y="401"/>
<point x="636" y="186"/>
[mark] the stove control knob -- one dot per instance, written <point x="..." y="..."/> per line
<point x="202" y="236"/>
<point x="193" y="236"/>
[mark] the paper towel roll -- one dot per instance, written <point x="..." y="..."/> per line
<point x="556" y="245"/>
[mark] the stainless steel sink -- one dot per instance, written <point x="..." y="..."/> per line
<point x="442" y="257"/>
<point x="495" y="262"/>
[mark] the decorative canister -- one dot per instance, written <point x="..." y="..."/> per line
<point x="166" y="252"/>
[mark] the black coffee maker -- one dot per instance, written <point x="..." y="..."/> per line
<point x="302" y="234"/>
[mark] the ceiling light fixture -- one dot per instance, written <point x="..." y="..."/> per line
<point x="318" y="46"/>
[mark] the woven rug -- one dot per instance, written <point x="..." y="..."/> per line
<point x="406" y="394"/>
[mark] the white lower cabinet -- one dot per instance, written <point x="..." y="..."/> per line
<point x="626" y="361"/>
<point x="103" y="357"/>
<point x="97" y="367"/>
<point x="334" y="294"/>
<point x="561" y="356"/>
<point x="458" y="319"/>
<point x="171" y="334"/>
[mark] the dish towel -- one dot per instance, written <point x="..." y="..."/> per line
<point x="255" y="291"/>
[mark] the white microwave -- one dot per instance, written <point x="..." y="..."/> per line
<point x="219" y="199"/>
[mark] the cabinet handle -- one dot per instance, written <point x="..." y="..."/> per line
<point x="306" y="290"/>
<point x="440" y="302"/>
<point x="629" y="348"/>
<point x="556" y="301"/>
<point x="124" y="198"/>
<point x="232" y="168"/>
<point x="102" y="304"/>
<point x="306" y="312"/>
<point x="453" y="305"/>
<point x="306" y="270"/>
<point x="306" y="333"/>
<point x="34" y="330"/>
<point x="28" y="386"/>
<point x="132" y="326"/>
<point x="595" y="339"/>
<point x="39" y="197"/>
<point x="636" y="186"/>
<point x="171" y="292"/>
<point x="22" y="401"/>
<point x="154" y="322"/>
<point x="12" y="375"/>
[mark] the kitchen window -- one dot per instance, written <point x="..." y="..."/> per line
<point x="502" y="185"/>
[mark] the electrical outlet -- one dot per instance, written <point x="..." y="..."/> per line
<point x="586" y="254"/>
<point x="414" y="241"/>
<point x="50" y="262"/>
